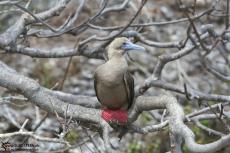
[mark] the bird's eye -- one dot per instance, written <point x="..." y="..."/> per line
<point x="124" y="43"/>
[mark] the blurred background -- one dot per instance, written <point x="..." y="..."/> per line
<point x="49" y="72"/>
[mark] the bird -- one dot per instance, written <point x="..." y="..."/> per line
<point x="113" y="83"/>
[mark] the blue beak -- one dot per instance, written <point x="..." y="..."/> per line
<point x="130" y="46"/>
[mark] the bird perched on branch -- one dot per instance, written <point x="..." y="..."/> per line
<point x="114" y="85"/>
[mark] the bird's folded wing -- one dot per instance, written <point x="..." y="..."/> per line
<point x="129" y="88"/>
<point x="95" y="86"/>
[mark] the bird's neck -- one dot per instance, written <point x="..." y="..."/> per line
<point x="114" y="53"/>
<point x="113" y="69"/>
<point x="118" y="63"/>
<point x="118" y="59"/>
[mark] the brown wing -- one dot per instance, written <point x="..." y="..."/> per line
<point x="95" y="86"/>
<point x="129" y="87"/>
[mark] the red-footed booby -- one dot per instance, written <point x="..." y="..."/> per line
<point x="114" y="86"/>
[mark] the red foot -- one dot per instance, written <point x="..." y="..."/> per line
<point x="119" y="116"/>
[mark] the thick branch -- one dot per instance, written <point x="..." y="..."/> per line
<point x="38" y="95"/>
<point x="176" y="125"/>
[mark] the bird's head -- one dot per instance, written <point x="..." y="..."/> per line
<point x="122" y="45"/>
